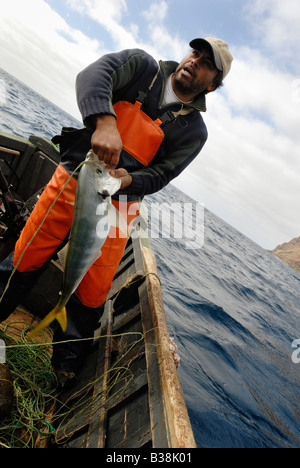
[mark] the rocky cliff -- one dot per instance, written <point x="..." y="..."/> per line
<point x="289" y="252"/>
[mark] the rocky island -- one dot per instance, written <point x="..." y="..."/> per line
<point x="289" y="252"/>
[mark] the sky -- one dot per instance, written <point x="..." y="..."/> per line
<point x="248" y="173"/>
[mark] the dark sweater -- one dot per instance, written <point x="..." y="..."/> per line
<point x="120" y="76"/>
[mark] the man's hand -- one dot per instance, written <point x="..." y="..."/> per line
<point x="106" y="141"/>
<point x="122" y="174"/>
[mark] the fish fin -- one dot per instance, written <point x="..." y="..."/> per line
<point x="117" y="219"/>
<point x="62" y="319"/>
<point x="57" y="313"/>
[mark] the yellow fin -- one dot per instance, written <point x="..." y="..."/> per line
<point x="62" y="319"/>
<point x="59" y="314"/>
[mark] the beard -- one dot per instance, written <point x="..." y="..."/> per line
<point x="187" y="87"/>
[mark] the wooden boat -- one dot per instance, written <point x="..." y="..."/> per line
<point x="128" y="395"/>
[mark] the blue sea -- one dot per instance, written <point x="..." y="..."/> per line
<point x="232" y="308"/>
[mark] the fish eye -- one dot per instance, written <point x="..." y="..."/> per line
<point x="104" y="194"/>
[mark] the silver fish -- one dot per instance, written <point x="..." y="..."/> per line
<point x="93" y="216"/>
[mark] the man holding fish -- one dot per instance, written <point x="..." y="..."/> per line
<point x="143" y="125"/>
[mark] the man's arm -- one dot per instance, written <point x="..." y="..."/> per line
<point x="96" y="84"/>
<point x="95" y="87"/>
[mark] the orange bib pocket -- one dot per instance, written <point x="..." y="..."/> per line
<point x="141" y="136"/>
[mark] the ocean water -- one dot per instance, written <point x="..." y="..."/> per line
<point x="232" y="307"/>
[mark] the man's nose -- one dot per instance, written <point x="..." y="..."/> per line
<point x="197" y="60"/>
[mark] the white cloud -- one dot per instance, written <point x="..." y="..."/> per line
<point x="258" y="88"/>
<point x="276" y="22"/>
<point x="108" y="13"/>
<point x="101" y="11"/>
<point x="157" y="12"/>
<point x="168" y="44"/>
<point x="248" y="174"/>
<point x="156" y="38"/>
<point x="43" y="51"/>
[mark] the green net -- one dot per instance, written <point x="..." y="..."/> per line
<point x="34" y="421"/>
<point x="34" y="390"/>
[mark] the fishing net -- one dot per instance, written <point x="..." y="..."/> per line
<point x="34" y="385"/>
<point x="35" y="422"/>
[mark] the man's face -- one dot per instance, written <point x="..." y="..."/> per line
<point x="195" y="74"/>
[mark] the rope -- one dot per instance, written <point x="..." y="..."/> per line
<point x="35" y="389"/>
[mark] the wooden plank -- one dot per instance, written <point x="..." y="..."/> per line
<point x="78" y="440"/>
<point x="128" y="425"/>
<point x="14" y="142"/>
<point x="9" y="151"/>
<point x="127" y="393"/>
<point x="126" y="297"/>
<point x="73" y="406"/>
<point x="178" y="422"/>
<point x="139" y="440"/>
<point x="15" y="164"/>
<point x="84" y="404"/>
<point x="97" y="430"/>
<point x="121" y="280"/>
<point x="75" y="417"/>
<point x="159" y="426"/>
<point x="127" y="316"/>
<point x="46" y="147"/>
<point x="20" y="165"/>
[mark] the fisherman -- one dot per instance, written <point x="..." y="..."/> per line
<point x="142" y="119"/>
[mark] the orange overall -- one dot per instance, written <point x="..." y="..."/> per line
<point x="141" y="137"/>
<point x="97" y="282"/>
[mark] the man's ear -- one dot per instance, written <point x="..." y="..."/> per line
<point x="210" y="88"/>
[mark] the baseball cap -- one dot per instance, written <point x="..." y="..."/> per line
<point x="220" y="50"/>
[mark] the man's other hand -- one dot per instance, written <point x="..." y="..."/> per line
<point x="122" y="174"/>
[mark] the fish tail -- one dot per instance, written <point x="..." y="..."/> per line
<point x="59" y="313"/>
